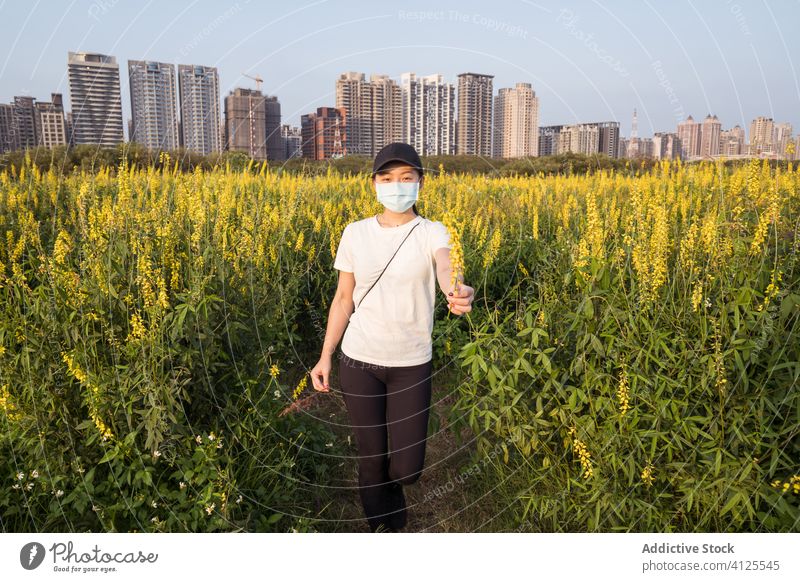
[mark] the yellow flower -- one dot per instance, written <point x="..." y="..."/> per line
<point x="6" y="405"/>
<point x="138" y="330"/>
<point x="579" y="449"/>
<point x="697" y="295"/>
<point x="719" y="361"/>
<point x="62" y="247"/>
<point x="622" y="392"/>
<point x="494" y="247"/>
<point x="456" y="254"/>
<point x="594" y="228"/>
<point x="274" y="371"/>
<point x="299" y="389"/>
<point x="772" y="289"/>
<point x="647" y="474"/>
<point x="793" y="485"/>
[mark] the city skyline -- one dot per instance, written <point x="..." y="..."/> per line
<point x="584" y="60"/>
<point x="369" y="114"/>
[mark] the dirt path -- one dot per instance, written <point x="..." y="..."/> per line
<point x="441" y="501"/>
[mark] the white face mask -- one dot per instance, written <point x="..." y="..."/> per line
<point x="397" y="196"/>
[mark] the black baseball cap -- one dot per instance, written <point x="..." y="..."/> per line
<point x="397" y="152"/>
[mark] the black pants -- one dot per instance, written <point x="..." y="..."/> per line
<point x="388" y="408"/>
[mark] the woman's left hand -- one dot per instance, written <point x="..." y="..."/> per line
<point x="459" y="300"/>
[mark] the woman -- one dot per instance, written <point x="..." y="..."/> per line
<point x="388" y="266"/>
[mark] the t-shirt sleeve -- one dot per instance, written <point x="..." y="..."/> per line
<point x="439" y="238"/>
<point x="344" y="254"/>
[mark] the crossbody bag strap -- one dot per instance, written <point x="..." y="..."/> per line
<point x="387" y="264"/>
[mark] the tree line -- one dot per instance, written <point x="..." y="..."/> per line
<point x="65" y="159"/>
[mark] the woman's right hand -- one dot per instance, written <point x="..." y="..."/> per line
<point x="320" y="374"/>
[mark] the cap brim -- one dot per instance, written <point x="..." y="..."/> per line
<point x="378" y="169"/>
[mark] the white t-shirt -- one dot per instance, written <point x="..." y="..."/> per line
<point x="394" y="323"/>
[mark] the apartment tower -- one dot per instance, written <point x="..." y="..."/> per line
<point x="95" y="97"/>
<point x="474" y="126"/>
<point x="516" y="122"/>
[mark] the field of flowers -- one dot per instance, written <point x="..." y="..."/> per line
<point x="633" y="350"/>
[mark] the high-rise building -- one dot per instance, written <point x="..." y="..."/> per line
<point x="246" y="122"/>
<point x="646" y="147"/>
<point x="608" y="136"/>
<point x="387" y="113"/>
<point x="586" y="138"/>
<point x="428" y="114"/>
<point x="732" y="142"/>
<point x="25" y="122"/>
<point x="643" y="147"/>
<point x="549" y="137"/>
<point x="50" y="126"/>
<point x="474" y="129"/>
<point x="292" y="139"/>
<point x="624" y="144"/>
<point x="324" y="133"/>
<point x="275" y="146"/>
<point x="762" y="134"/>
<point x="95" y="97"/>
<point x="782" y="138"/>
<point x="516" y="122"/>
<point x="69" y="126"/>
<point x="373" y="111"/>
<point x="709" y="136"/>
<point x="583" y="138"/>
<point x="689" y="136"/>
<point x="198" y="96"/>
<point x="8" y="131"/>
<point x="354" y="96"/>
<point x="154" y="113"/>
<point x="666" y="146"/>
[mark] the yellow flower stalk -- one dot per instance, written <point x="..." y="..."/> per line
<point x="300" y="387"/>
<point x="7" y="405"/>
<point x="456" y="253"/>
<point x="697" y="295"/>
<point x="623" y="393"/>
<point x="93" y="393"/>
<point x="584" y="457"/>
<point x="647" y="474"/>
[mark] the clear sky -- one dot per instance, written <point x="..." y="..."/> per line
<point x="587" y="60"/>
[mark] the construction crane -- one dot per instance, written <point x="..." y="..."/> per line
<point x="257" y="79"/>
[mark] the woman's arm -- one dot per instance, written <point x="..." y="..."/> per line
<point x="339" y="313"/>
<point x="444" y="270"/>
<point x="459" y="302"/>
<point x="338" y="316"/>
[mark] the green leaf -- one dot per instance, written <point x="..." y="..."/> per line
<point x="528" y="368"/>
<point x="732" y="501"/>
<point x="110" y="454"/>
